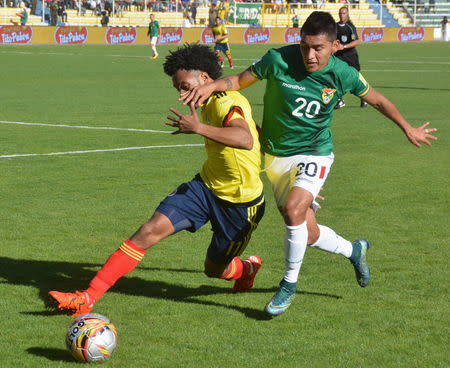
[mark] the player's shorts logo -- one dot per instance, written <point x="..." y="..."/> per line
<point x="327" y="95"/>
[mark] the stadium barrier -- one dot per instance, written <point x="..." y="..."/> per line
<point x="65" y="35"/>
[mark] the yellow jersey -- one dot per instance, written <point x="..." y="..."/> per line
<point x="231" y="173"/>
<point x="220" y="30"/>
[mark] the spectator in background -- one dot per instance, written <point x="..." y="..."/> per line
<point x="348" y="40"/>
<point x="193" y="10"/>
<point x="62" y="13"/>
<point x="105" y="19"/>
<point x="54" y="13"/>
<point x="212" y="15"/>
<point x="444" y="23"/>
<point x="23" y="15"/>
<point x="108" y="8"/>
<point x="295" y="21"/>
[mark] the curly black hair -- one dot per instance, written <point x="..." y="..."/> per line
<point x="193" y="57"/>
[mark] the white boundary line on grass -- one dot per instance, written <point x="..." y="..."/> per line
<point x="85" y="127"/>
<point x="98" y="150"/>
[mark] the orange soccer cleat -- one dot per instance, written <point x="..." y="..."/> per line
<point x="245" y="283"/>
<point x="75" y="304"/>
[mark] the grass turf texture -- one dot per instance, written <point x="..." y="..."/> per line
<point x="61" y="216"/>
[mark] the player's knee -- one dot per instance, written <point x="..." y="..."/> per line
<point x="212" y="273"/>
<point x="147" y="235"/>
<point x="293" y="214"/>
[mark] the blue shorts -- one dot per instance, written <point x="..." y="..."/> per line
<point x="222" y="47"/>
<point x="193" y="204"/>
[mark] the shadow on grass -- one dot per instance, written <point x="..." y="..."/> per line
<point x="59" y="355"/>
<point x="69" y="276"/>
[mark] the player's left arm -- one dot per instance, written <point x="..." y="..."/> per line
<point x="418" y="135"/>
<point x="235" y="134"/>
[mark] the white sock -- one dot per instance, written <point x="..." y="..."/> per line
<point x="154" y="50"/>
<point x="331" y="242"/>
<point x="294" y="249"/>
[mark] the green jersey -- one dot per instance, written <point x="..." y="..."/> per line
<point x="153" y="29"/>
<point x="24" y="18"/>
<point x="298" y="105"/>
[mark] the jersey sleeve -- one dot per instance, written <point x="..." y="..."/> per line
<point x="351" y="80"/>
<point x="359" y="86"/>
<point x="262" y="68"/>
<point x="225" y="109"/>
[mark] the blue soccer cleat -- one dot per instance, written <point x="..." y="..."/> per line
<point x="282" y="299"/>
<point x="359" y="262"/>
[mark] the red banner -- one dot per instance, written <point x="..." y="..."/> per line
<point x="407" y="34"/>
<point x="207" y="36"/>
<point x="292" y="35"/>
<point x="71" y="35"/>
<point x="372" y="34"/>
<point x="170" y="35"/>
<point x="256" y="35"/>
<point x="15" y="34"/>
<point x="121" y="35"/>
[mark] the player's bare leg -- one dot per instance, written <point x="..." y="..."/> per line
<point x="121" y="262"/>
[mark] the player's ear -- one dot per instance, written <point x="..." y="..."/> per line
<point x="204" y="76"/>
<point x="335" y="46"/>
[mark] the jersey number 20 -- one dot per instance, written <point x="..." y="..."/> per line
<point x="310" y="109"/>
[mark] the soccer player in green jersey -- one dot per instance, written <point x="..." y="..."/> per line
<point x="304" y="82"/>
<point x="153" y="33"/>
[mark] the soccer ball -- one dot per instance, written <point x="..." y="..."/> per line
<point x="91" y="338"/>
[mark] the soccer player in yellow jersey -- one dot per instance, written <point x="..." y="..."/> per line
<point x="221" y="40"/>
<point x="227" y="192"/>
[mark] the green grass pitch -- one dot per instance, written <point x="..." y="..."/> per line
<point x="62" y="215"/>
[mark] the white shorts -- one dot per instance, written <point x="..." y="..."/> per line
<point x="153" y="41"/>
<point x="304" y="171"/>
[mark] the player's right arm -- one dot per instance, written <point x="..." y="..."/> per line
<point x="235" y="134"/>
<point x="200" y="94"/>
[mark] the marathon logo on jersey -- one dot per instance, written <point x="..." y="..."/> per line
<point x="207" y="36"/>
<point x="15" y="34"/>
<point x="292" y="35"/>
<point x="256" y="35"/>
<point x="372" y="34"/>
<point x="170" y="35"/>
<point x="408" y="34"/>
<point x="327" y="95"/>
<point x="71" y="35"/>
<point x="121" y="35"/>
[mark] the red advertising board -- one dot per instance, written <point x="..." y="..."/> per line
<point x="15" y="34"/>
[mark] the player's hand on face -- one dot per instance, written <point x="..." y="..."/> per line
<point x="187" y="124"/>
<point x="197" y="95"/>
<point x="421" y="134"/>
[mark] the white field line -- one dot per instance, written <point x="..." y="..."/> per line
<point x="98" y="150"/>
<point x="85" y="127"/>
<point x="409" y="62"/>
<point x="404" y="71"/>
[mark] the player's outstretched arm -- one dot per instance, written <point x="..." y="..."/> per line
<point x="237" y="132"/>
<point x="416" y="136"/>
<point x="200" y="94"/>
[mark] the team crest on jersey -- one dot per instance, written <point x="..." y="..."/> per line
<point x="327" y="94"/>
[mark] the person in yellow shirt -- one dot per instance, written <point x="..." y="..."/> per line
<point x="221" y="40"/>
<point x="228" y="191"/>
